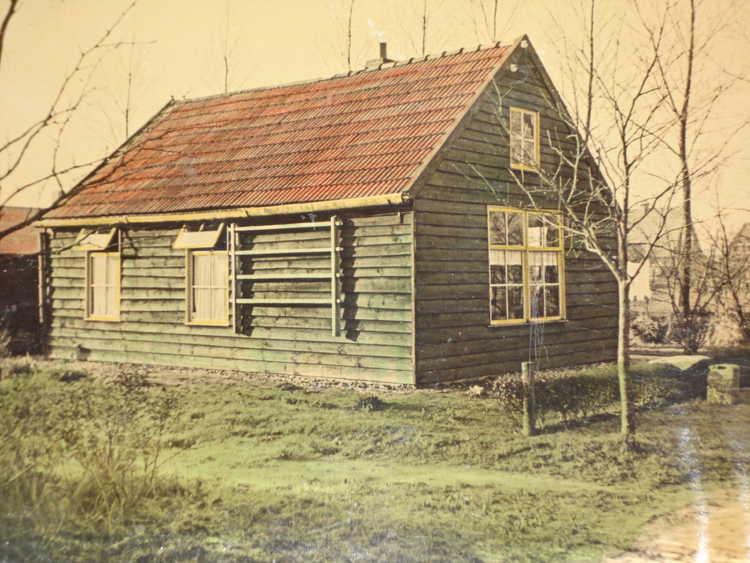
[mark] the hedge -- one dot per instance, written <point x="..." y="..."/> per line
<point x="574" y="395"/>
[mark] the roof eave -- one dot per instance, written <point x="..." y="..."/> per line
<point x="387" y="200"/>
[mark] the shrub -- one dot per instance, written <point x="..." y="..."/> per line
<point x="571" y="395"/>
<point x="691" y="331"/>
<point x="568" y="395"/>
<point x="370" y="403"/>
<point x="648" y="329"/>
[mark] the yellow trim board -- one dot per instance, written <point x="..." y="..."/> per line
<point x="238" y="213"/>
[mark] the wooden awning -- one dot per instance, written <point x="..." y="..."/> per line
<point x="92" y="240"/>
<point x="187" y="240"/>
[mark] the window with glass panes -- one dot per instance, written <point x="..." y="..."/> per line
<point x="103" y="286"/>
<point x="207" y="287"/>
<point x="524" y="139"/>
<point x="525" y="265"/>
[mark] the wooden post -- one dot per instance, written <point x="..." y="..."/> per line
<point x="43" y="289"/>
<point x="232" y="247"/>
<point x="335" y="275"/>
<point x="529" y="408"/>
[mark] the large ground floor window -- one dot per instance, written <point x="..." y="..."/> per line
<point x="526" y="265"/>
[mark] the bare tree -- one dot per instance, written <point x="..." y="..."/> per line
<point x="424" y="28"/>
<point x="67" y="101"/>
<point x="693" y="101"/>
<point x="349" y="37"/>
<point x="706" y="285"/>
<point x="732" y="266"/>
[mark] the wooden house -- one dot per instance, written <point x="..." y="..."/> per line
<point x="366" y="227"/>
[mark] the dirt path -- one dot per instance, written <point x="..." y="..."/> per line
<point x="715" y="530"/>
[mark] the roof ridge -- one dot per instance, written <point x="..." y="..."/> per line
<point x="381" y="66"/>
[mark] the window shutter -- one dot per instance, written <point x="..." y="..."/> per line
<point x="187" y="240"/>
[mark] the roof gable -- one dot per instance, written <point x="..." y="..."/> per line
<point x="367" y="134"/>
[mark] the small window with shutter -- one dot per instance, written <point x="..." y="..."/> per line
<point x="102" y="300"/>
<point x="207" y="275"/>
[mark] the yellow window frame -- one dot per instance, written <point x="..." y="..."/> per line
<point x="526" y="250"/>
<point x="88" y="297"/>
<point x="189" y="254"/>
<point x="537" y="142"/>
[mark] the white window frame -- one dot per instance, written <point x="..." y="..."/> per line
<point x="190" y="319"/>
<point x="527" y="249"/>
<point x="524" y="139"/>
<point x="116" y="284"/>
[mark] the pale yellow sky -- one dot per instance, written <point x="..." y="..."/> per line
<point x="181" y="45"/>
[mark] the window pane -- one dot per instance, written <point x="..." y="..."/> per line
<point x="497" y="274"/>
<point x="515" y="270"/>
<point x="97" y="301"/>
<point x="529" y="155"/>
<point x="498" y="308"/>
<point x="515" y="229"/>
<point x="515" y="122"/>
<point x="498" y="233"/>
<point x="536" y="274"/>
<point x="537" y="302"/>
<point x="202" y="304"/>
<point x="516" y="153"/>
<point x="219" y="273"/>
<point x="552" y="301"/>
<point x="202" y="270"/>
<point x="536" y="266"/>
<point x="113" y="269"/>
<point x="529" y="125"/>
<point x="218" y="301"/>
<point x="98" y="269"/>
<point x="109" y="301"/>
<point x="515" y="273"/>
<point x="513" y="257"/>
<point x="551" y="274"/>
<point x="515" y="302"/>
<point x="537" y="231"/>
<point x="553" y="235"/>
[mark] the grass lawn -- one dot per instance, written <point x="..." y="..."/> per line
<point x="259" y="470"/>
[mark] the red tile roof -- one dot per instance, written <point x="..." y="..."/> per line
<point x="345" y="137"/>
<point x="22" y="241"/>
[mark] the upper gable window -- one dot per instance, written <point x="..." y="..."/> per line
<point x="524" y="139"/>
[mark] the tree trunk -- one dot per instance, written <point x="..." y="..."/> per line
<point x="686" y="180"/>
<point x="627" y="412"/>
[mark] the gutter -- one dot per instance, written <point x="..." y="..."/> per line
<point x="237" y="213"/>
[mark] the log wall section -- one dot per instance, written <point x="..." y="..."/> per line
<point x="454" y="338"/>
<point x="375" y="343"/>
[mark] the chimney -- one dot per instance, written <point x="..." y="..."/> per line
<point x="383" y="58"/>
<point x="384" y="51"/>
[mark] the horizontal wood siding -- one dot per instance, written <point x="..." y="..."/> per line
<point x="454" y="339"/>
<point x="375" y="342"/>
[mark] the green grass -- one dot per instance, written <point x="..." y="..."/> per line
<point x="265" y="471"/>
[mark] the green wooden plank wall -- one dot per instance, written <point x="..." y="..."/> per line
<point x="454" y="339"/>
<point x="375" y="342"/>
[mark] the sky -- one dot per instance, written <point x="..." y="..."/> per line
<point x="176" y="48"/>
